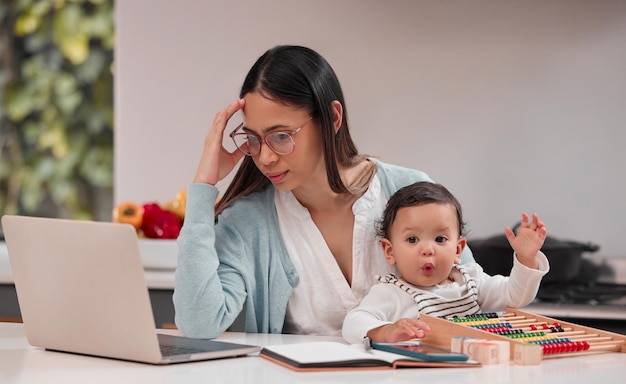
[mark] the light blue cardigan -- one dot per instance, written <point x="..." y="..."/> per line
<point x="242" y="259"/>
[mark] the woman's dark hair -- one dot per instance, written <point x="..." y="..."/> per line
<point x="416" y="194"/>
<point x="299" y="77"/>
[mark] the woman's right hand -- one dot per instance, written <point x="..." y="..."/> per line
<point x="216" y="161"/>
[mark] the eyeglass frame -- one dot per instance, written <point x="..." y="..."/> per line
<point x="264" y="138"/>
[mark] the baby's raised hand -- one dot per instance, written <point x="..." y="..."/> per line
<point x="528" y="240"/>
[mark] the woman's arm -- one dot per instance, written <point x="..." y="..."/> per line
<point x="208" y="294"/>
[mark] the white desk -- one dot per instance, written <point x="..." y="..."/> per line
<point x="23" y="364"/>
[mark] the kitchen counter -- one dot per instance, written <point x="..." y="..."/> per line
<point x="158" y="257"/>
<point x="23" y="364"/>
<point x="596" y="298"/>
<point x="159" y="260"/>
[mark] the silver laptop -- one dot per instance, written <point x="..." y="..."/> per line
<point x="81" y="289"/>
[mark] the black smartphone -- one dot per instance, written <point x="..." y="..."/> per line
<point x="420" y="351"/>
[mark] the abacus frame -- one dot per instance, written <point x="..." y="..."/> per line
<point x="442" y="331"/>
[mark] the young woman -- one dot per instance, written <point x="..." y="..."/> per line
<point x="292" y="241"/>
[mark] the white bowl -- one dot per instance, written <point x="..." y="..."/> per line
<point x="158" y="254"/>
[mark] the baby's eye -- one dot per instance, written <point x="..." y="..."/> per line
<point x="441" y="239"/>
<point x="412" y="240"/>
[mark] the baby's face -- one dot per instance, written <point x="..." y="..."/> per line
<point x="424" y="243"/>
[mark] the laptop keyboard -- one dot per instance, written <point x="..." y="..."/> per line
<point x="178" y="347"/>
<point x="174" y="350"/>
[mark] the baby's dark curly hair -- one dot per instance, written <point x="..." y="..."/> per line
<point x="416" y="194"/>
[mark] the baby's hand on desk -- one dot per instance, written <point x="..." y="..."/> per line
<point x="401" y="330"/>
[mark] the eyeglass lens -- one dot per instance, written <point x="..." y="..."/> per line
<point x="279" y="142"/>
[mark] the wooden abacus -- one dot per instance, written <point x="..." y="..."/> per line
<point x="531" y="337"/>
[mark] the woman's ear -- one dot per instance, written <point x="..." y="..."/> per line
<point x="337" y="114"/>
<point x="388" y="251"/>
<point x="460" y="246"/>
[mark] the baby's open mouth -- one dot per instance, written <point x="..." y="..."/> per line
<point x="428" y="268"/>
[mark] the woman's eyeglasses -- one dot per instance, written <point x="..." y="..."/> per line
<point x="280" y="142"/>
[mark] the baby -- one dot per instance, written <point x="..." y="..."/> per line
<point x="422" y="235"/>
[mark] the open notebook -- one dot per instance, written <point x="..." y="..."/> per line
<point x="81" y="289"/>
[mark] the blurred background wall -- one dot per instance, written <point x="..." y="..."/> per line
<point x="514" y="105"/>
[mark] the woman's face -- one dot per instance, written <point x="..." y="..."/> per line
<point x="303" y="166"/>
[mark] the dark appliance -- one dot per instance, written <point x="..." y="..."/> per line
<point x="581" y="287"/>
<point x="495" y="255"/>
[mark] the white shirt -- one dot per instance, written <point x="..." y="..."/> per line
<point x="386" y="303"/>
<point x="323" y="297"/>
